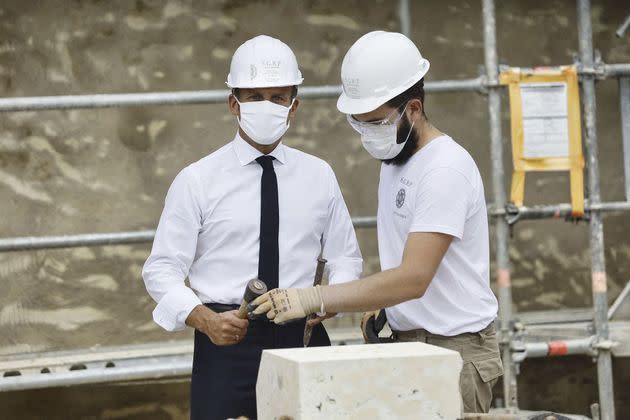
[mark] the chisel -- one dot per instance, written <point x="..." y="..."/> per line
<point x="319" y="273"/>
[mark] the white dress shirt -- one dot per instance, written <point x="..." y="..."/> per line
<point x="210" y="228"/>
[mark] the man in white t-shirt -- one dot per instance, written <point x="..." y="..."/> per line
<point x="432" y="221"/>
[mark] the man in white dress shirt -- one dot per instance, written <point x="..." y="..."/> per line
<point x="254" y="208"/>
<point x="432" y="221"/>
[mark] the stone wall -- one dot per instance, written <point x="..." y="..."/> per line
<point x="82" y="171"/>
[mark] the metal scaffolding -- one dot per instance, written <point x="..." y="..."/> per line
<point x="521" y="337"/>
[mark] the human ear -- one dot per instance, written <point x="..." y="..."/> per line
<point x="233" y="106"/>
<point x="414" y="110"/>
<point x="294" y="108"/>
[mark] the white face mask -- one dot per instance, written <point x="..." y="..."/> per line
<point x="263" y="121"/>
<point x="379" y="138"/>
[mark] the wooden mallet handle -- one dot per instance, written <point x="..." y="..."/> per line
<point x="253" y="289"/>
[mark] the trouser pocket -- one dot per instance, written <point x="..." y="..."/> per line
<point x="477" y="380"/>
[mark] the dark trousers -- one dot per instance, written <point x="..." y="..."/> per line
<point x="223" y="381"/>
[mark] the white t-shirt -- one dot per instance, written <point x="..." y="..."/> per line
<point x="439" y="190"/>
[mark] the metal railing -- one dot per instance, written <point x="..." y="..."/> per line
<point x="504" y="215"/>
<point x="512" y="214"/>
<point x="116" y="238"/>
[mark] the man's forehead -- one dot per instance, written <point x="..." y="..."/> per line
<point x="283" y="90"/>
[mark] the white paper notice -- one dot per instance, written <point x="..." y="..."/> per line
<point x="545" y="120"/>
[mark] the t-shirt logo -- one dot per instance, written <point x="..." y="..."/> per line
<point x="400" y="198"/>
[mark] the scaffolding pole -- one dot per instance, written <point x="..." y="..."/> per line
<point x="598" y="264"/>
<point x="616" y="70"/>
<point x="204" y="97"/>
<point x="404" y="16"/>
<point x="512" y="214"/>
<point x="622" y="28"/>
<point x="515" y="214"/>
<point x="151" y="369"/>
<point x="555" y="348"/>
<point x="33" y="243"/>
<point x="498" y="190"/>
<point x="66" y="102"/>
<point x="624" y="108"/>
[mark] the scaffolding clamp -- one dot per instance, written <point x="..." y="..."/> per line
<point x="519" y="352"/>
<point x="606" y="345"/>
<point x="512" y="214"/>
<point x="485" y="84"/>
<point x="597" y="70"/>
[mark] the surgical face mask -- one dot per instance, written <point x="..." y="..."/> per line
<point x="379" y="138"/>
<point x="263" y="121"/>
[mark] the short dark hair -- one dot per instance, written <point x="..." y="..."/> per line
<point x="237" y="92"/>
<point x="414" y="92"/>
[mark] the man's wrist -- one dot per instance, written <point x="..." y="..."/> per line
<point x="199" y="317"/>
<point x="311" y="300"/>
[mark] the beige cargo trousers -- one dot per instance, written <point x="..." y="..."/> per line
<point x="482" y="362"/>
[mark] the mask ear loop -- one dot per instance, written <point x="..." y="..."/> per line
<point x="402" y="114"/>
<point x="409" y="133"/>
<point x="290" y="106"/>
<point x="412" y="124"/>
<point x="238" y="117"/>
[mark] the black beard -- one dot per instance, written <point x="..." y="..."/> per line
<point x="410" y="146"/>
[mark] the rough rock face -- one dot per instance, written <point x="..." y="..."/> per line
<point x="82" y="171"/>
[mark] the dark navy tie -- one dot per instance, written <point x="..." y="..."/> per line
<point x="268" y="257"/>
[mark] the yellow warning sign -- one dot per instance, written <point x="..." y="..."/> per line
<point x="546" y="130"/>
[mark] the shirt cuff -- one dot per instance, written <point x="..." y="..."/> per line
<point x="174" y="307"/>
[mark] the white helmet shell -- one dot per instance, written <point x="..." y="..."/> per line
<point x="378" y="67"/>
<point x="262" y="62"/>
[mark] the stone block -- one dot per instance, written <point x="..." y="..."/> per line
<point x="379" y="381"/>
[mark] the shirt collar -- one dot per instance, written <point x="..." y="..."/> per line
<point x="246" y="153"/>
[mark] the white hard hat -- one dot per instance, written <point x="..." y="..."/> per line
<point x="261" y="62"/>
<point x="378" y="67"/>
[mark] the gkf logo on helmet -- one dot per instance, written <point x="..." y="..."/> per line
<point x="271" y="64"/>
<point x="268" y="67"/>
<point x="351" y="86"/>
<point x="271" y="70"/>
<point x="400" y="198"/>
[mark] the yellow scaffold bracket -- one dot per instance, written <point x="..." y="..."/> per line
<point x="546" y="128"/>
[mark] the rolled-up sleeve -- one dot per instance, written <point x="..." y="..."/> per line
<point x="172" y="254"/>
<point x="340" y="246"/>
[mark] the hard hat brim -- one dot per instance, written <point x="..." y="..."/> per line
<point x="354" y="106"/>
<point x="255" y="85"/>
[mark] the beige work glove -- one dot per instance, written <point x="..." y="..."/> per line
<point x="283" y="305"/>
